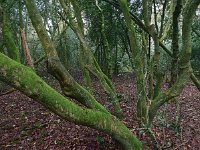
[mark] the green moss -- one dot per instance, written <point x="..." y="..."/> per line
<point x="12" y="49"/>
<point x="61" y="106"/>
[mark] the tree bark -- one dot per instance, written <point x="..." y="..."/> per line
<point x="9" y="42"/>
<point x="195" y="81"/>
<point x="25" y="80"/>
<point x="185" y="70"/>
<point x="24" y="43"/>
<point x="146" y="112"/>
<point x="108" y="58"/>
<point x="92" y="64"/>
<point x="175" y="43"/>
<point x="138" y="65"/>
<point x="83" y="52"/>
<point x="27" y="54"/>
<point x="69" y="86"/>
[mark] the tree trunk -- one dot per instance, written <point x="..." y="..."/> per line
<point x="108" y="58"/>
<point x="146" y="112"/>
<point x="11" y="47"/>
<point x="92" y="64"/>
<point x="69" y="86"/>
<point x="83" y="52"/>
<point x="185" y="70"/>
<point x="24" y="43"/>
<point x="175" y="42"/>
<point x="25" y="80"/>
<point x="195" y="81"/>
<point x="138" y="65"/>
<point x="27" y="54"/>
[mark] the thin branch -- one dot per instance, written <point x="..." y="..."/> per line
<point x="8" y="92"/>
<point x="155" y="15"/>
<point x="141" y="25"/>
<point x="195" y="31"/>
<point x="181" y="144"/>
<point x="195" y="81"/>
<point x="39" y="60"/>
<point x="162" y="17"/>
<point x="144" y="28"/>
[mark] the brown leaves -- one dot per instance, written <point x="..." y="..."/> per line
<point x="26" y="124"/>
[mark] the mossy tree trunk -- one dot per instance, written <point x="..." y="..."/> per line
<point x="108" y="58"/>
<point x="83" y="52"/>
<point x="138" y="64"/>
<point x="184" y="63"/>
<point x="25" y="80"/>
<point x="24" y="43"/>
<point x="147" y="111"/>
<point x="156" y="68"/>
<point x="175" y="41"/>
<point x="69" y="86"/>
<point x="92" y="64"/>
<point x="166" y="29"/>
<point x="146" y="12"/>
<point x="195" y="81"/>
<point x="12" y="50"/>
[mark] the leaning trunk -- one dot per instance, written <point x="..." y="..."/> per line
<point x="25" y="80"/>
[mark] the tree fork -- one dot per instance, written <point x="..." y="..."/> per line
<point x="185" y="70"/>
<point x="144" y="28"/>
<point x="25" y="80"/>
<point x="92" y="64"/>
<point x="69" y="86"/>
<point x="12" y="49"/>
<point x="175" y="45"/>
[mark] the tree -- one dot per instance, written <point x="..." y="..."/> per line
<point x="24" y="44"/>
<point x="147" y="111"/>
<point x="25" y="80"/>
<point x="91" y="64"/>
<point x="11" y="47"/>
<point x="142" y="43"/>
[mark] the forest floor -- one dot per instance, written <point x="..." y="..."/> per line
<point x="25" y="124"/>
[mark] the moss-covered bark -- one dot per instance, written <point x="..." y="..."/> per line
<point x="168" y="24"/>
<point x="92" y="64"/>
<point x="108" y="67"/>
<point x="175" y="41"/>
<point x="146" y="11"/>
<point x="69" y="86"/>
<point x="9" y="42"/>
<point x="156" y="69"/>
<point x="195" y="81"/>
<point x="138" y="65"/>
<point x="25" y="80"/>
<point x="185" y="70"/>
<point x="171" y="93"/>
<point x="146" y="111"/>
<point x="83" y="53"/>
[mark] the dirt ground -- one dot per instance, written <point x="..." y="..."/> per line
<point x="25" y="124"/>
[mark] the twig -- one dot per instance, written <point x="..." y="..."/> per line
<point x="8" y="92"/>
<point x="39" y="60"/>
<point x="141" y="25"/>
<point x="195" y="81"/>
<point x="182" y="144"/>
<point x="153" y="137"/>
